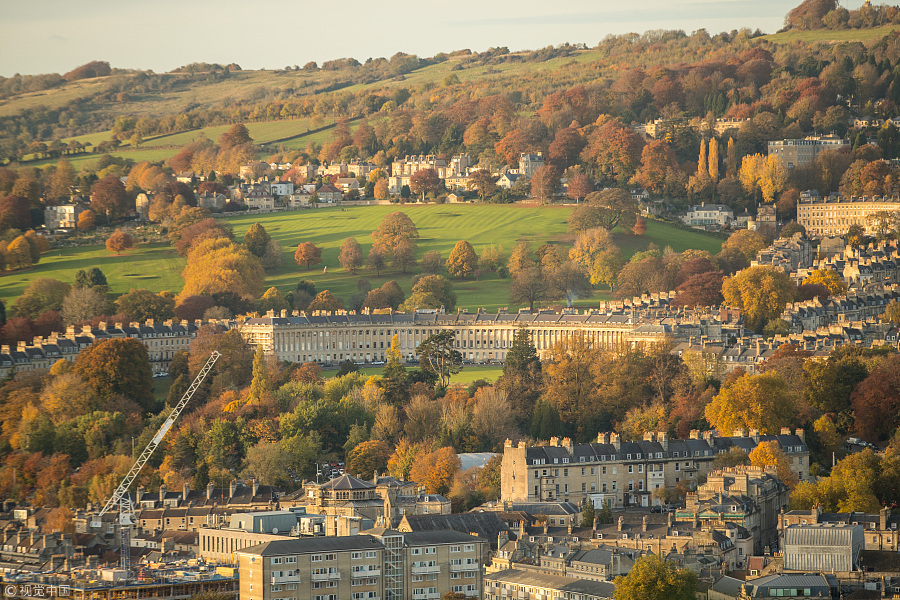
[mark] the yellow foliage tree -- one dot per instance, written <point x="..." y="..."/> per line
<point x="436" y="470"/>
<point x="760" y="292"/>
<point x="758" y="402"/>
<point x="769" y="454"/>
<point x="220" y="265"/>
<point x="829" y="278"/>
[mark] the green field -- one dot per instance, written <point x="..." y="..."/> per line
<point x="468" y="374"/>
<point x="830" y="35"/>
<point x="157" y="267"/>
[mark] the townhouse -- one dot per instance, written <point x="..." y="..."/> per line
<point x="621" y="473"/>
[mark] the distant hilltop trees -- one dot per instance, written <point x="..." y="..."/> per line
<point x="827" y="14"/>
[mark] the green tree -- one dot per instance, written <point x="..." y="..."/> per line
<point x="607" y="209"/>
<point x="395" y="380"/>
<point x="652" y="578"/>
<point x="587" y="514"/>
<point x="256" y="240"/>
<point x="437" y="355"/>
<point x="462" y="261"/>
<point x="92" y="277"/>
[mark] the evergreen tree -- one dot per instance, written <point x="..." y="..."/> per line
<point x="545" y="423"/>
<point x="395" y="379"/>
<point x="262" y="383"/>
<point x="522" y="375"/>
<point x="587" y="515"/>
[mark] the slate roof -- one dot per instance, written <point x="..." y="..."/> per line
<point x="486" y="525"/>
<point x="347" y="482"/>
<point x="600" y="589"/>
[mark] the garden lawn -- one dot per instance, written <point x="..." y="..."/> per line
<point x="157" y="267"/>
<point x="468" y="374"/>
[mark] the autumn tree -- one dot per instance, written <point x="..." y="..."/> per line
<point x="700" y="289"/>
<point x="326" y="301"/>
<point x="119" y="241"/>
<point x="382" y="190"/>
<point x="351" y="257"/>
<point x="569" y="380"/>
<point x="425" y="181"/>
<point x="431" y="291"/>
<point x="653" y="578"/>
<point x="529" y="286"/>
<point x="432" y="263"/>
<point x="220" y="265"/>
<point x="876" y="401"/>
<point x="404" y="256"/>
<point x="237" y="135"/>
<point x="579" y="186"/>
<point x="758" y="402"/>
<point x="308" y="254"/>
<point x="657" y="158"/>
<point x="770" y="454"/>
<point x="256" y="240"/>
<point x="118" y="367"/>
<point x="544" y="182"/>
<point x="142" y="304"/>
<point x="606" y="209"/>
<point x="462" y="261"/>
<point x="86" y="220"/>
<point x="747" y="242"/>
<point x="761" y="293"/>
<point x="829" y="278"/>
<point x="393" y="228"/>
<point x="375" y="261"/>
<point x="368" y="458"/>
<point x="483" y="181"/>
<point x="83" y="303"/>
<point x="614" y="149"/>
<point x="435" y="470"/>
<point x="108" y="197"/>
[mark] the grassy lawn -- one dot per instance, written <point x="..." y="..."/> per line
<point x="468" y="374"/>
<point x="157" y="267"/>
<point x="828" y="35"/>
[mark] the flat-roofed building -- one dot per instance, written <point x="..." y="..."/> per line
<point x="527" y="585"/>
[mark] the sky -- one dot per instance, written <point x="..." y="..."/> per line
<point x="55" y="36"/>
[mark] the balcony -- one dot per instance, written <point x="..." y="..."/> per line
<point x="369" y="573"/>
<point x="426" y="596"/>
<point x="285" y="579"/>
<point x="325" y="576"/>
<point x="463" y="567"/>
<point x="426" y="570"/>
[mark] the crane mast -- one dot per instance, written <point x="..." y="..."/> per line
<point x="120" y="497"/>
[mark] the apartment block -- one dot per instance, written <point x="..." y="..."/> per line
<point x="381" y="563"/>
<point x="799" y="153"/>
<point x="623" y="473"/>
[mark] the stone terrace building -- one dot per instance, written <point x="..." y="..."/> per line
<point x="625" y="473"/>
<point x="833" y="215"/>
<point x="480" y="336"/>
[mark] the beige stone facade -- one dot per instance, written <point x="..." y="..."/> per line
<point x="833" y="215"/>
<point x="623" y="473"/>
<point x="333" y="338"/>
